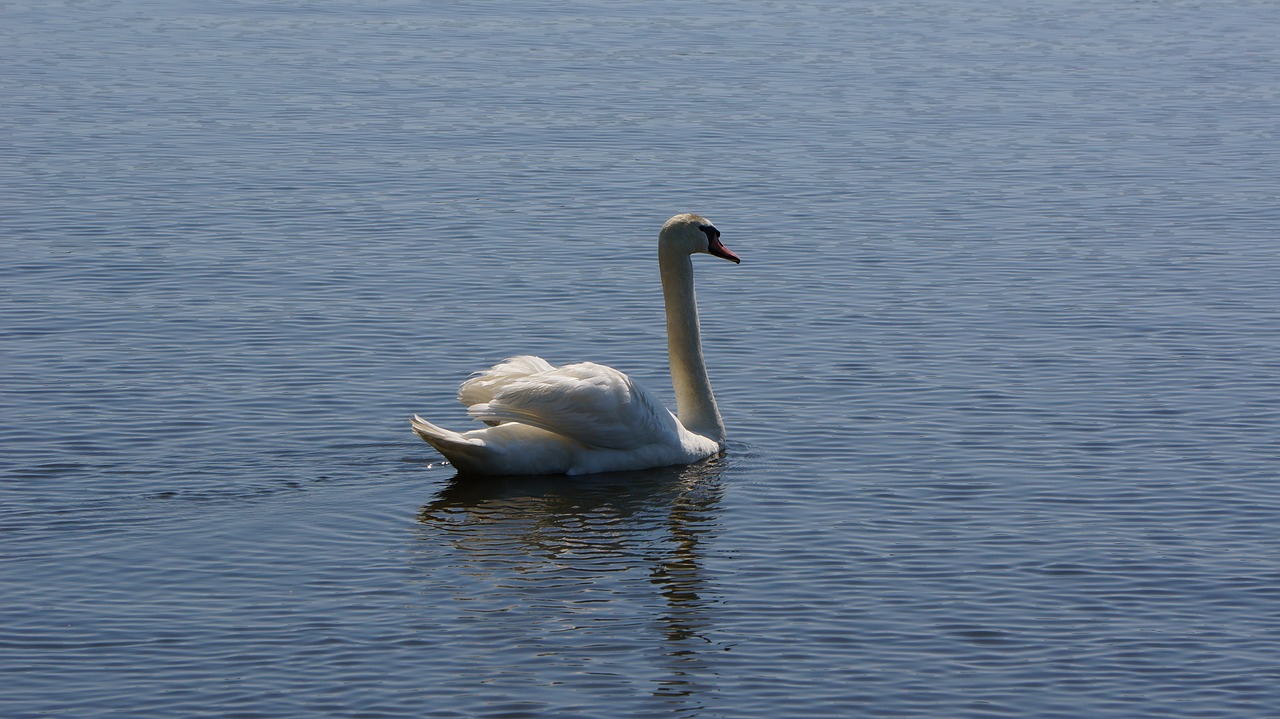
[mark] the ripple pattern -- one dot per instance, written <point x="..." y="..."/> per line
<point x="999" y="367"/>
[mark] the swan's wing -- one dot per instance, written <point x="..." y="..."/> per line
<point x="484" y="386"/>
<point x="589" y="403"/>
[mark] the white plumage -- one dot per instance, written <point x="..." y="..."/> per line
<point x="585" y="418"/>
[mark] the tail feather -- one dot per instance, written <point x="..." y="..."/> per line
<point x="456" y="448"/>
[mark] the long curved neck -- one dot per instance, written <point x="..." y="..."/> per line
<point x="695" y="405"/>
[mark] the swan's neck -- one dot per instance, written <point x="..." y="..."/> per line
<point x="695" y="405"/>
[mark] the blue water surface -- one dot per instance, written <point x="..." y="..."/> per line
<point x="1000" y="367"/>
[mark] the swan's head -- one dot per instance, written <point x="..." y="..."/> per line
<point x="689" y="233"/>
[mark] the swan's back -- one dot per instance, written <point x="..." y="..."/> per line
<point x="590" y="403"/>
<point x="575" y="419"/>
<point x="484" y="385"/>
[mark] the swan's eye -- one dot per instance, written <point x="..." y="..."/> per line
<point x="711" y="232"/>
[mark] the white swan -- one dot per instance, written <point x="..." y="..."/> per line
<point x="585" y="418"/>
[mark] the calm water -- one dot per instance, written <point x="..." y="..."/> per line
<point x="1000" y="367"/>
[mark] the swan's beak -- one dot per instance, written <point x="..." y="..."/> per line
<point x="717" y="248"/>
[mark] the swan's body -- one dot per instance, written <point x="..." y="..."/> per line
<point x="585" y="418"/>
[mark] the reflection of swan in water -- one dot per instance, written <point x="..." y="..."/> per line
<point x="590" y="543"/>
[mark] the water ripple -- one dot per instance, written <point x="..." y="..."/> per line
<point x="999" y="367"/>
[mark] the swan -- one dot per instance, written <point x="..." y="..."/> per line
<point x="586" y="418"/>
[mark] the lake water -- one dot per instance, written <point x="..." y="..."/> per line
<point x="1000" y="368"/>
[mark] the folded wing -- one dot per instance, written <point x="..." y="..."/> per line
<point x="589" y="403"/>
